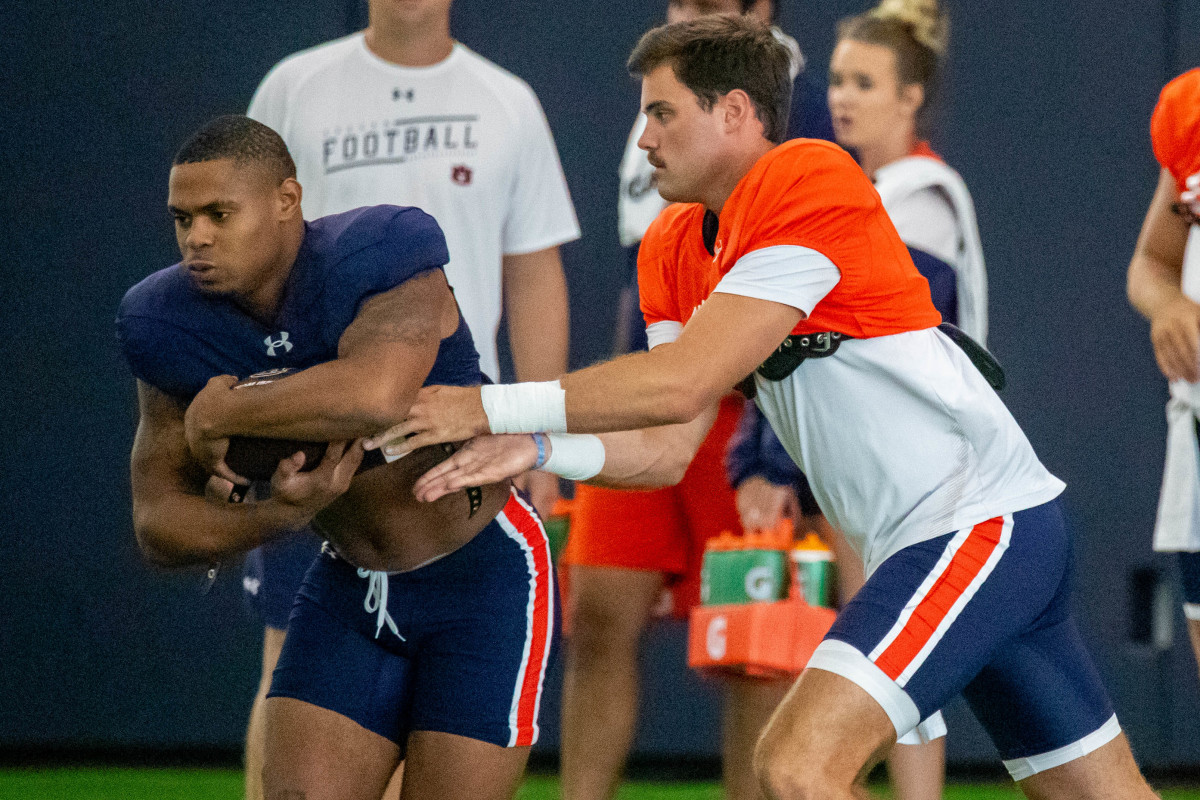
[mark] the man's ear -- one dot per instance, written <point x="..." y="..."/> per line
<point x="289" y="195"/>
<point x="738" y="110"/>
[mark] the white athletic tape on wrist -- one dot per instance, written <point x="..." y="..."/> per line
<point x="575" y="456"/>
<point x="525" y="407"/>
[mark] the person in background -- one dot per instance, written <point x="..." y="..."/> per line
<point x="402" y="114"/>
<point x="883" y="78"/>
<point x="1164" y="286"/>
<point x="631" y="555"/>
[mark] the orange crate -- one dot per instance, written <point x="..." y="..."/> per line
<point x="758" y="639"/>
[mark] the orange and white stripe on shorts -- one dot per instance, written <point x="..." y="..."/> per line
<point x="522" y="525"/>
<point x="964" y="565"/>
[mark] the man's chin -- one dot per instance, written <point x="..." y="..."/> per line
<point x="675" y="194"/>
<point x="209" y="288"/>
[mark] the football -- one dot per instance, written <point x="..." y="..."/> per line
<point x="256" y="457"/>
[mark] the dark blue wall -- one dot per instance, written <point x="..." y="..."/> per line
<point x="1046" y="118"/>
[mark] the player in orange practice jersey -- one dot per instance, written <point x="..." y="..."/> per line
<point x="786" y="268"/>
<point x="1164" y="285"/>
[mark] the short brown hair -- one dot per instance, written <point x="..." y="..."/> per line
<point x="714" y="55"/>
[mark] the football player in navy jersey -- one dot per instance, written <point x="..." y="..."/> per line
<point x="421" y="631"/>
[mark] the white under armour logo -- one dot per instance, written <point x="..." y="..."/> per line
<point x="281" y="342"/>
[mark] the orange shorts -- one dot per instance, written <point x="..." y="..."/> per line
<point x="663" y="530"/>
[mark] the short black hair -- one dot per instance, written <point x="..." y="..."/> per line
<point x="714" y="55"/>
<point x="242" y="139"/>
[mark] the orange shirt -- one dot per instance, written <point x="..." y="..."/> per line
<point x="1175" y="127"/>
<point x="805" y="192"/>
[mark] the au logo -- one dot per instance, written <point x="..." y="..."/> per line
<point x="461" y="175"/>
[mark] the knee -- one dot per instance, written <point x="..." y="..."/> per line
<point x="785" y="771"/>
<point x="600" y="630"/>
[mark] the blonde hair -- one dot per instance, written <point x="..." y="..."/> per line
<point x="924" y="19"/>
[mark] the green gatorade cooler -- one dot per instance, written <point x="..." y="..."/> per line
<point x="743" y="569"/>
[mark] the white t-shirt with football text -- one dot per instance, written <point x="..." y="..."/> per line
<point x="463" y="140"/>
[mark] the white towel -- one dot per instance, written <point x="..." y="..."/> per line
<point x="1177" y="528"/>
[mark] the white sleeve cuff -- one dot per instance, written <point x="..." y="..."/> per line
<point x="796" y="276"/>
<point x="575" y="456"/>
<point x="662" y="332"/>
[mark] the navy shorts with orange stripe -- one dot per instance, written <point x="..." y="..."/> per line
<point x="985" y="612"/>
<point x="460" y="645"/>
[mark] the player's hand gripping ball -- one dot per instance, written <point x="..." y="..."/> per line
<point x="256" y="457"/>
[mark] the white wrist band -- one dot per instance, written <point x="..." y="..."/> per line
<point x="575" y="456"/>
<point x="525" y="407"/>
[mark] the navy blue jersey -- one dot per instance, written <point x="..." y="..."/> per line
<point x="176" y="338"/>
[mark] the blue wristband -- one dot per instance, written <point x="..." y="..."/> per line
<point x="540" y="440"/>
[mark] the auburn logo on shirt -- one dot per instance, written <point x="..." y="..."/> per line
<point x="461" y="174"/>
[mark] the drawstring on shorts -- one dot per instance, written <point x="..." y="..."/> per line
<point x="376" y="601"/>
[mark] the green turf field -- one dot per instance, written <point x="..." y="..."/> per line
<point x="215" y="784"/>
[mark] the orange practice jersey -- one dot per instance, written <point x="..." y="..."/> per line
<point x="805" y="192"/>
<point x="1175" y="127"/>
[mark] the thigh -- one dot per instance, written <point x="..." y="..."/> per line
<point x="485" y="622"/>
<point x="315" y="753"/>
<point x="443" y="766"/>
<point x="614" y="531"/>
<point x="328" y="662"/>
<point x="1042" y="702"/>
<point x="936" y="613"/>
<point x="610" y="606"/>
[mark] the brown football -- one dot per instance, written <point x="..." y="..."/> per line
<point x="257" y="457"/>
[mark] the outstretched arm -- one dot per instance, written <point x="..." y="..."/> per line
<point x="176" y="525"/>
<point x="383" y="358"/>
<point x="1155" y="286"/>
<point x="725" y="340"/>
<point x="642" y="459"/>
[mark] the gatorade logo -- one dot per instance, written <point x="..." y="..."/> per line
<point x="760" y="583"/>
<point x="714" y="639"/>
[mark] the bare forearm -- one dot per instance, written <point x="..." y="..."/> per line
<point x="640" y="390"/>
<point x="652" y="457"/>
<point x="1152" y="284"/>
<point x="1156" y="270"/>
<point x="538" y="325"/>
<point x="328" y="402"/>
<point x="182" y="529"/>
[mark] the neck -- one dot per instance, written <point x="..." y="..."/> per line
<point x="408" y="44"/>
<point x="736" y="168"/>
<point x="875" y="156"/>
<point x="264" y="302"/>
